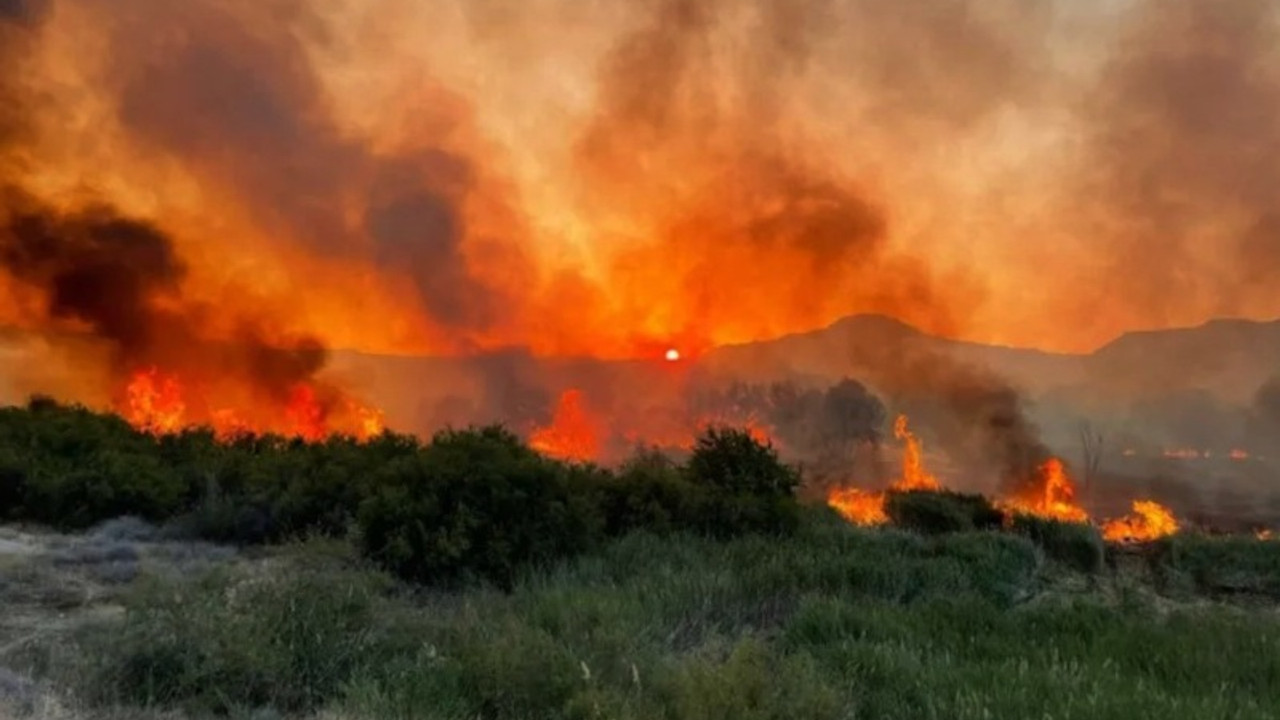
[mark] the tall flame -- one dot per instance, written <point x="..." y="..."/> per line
<point x="867" y="508"/>
<point x="914" y="476"/>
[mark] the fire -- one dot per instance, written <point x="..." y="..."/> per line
<point x="1185" y="454"/>
<point x="1238" y="454"/>
<point x="914" y="476"/>
<point x="1265" y="535"/>
<point x="859" y="506"/>
<point x="1149" y="521"/>
<point x="572" y="434"/>
<point x="866" y="508"/>
<point x="154" y="402"/>
<point x="159" y="403"/>
<point x="306" y="416"/>
<point x="1055" y="498"/>
<point x="672" y="355"/>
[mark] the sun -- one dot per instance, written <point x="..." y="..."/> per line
<point x="673" y="355"/>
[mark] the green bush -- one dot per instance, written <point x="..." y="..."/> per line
<point x="1076" y="545"/>
<point x="740" y="486"/>
<point x="290" y="641"/>
<point x="935" y="512"/>
<point x="648" y="493"/>
<point x="1221" y="565"/>
<point x="475" y="503"/>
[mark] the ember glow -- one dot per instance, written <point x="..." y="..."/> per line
<point x="1149" y="521"/>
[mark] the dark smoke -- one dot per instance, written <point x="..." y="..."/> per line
<point x="120" y="280"/>
<point x="980" y="420"/>
<point x="22" y="12"/>
<point x="241" y="102"/>
<point x="94" y="267"/>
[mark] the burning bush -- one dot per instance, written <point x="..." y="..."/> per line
<point x="935" y="512"/>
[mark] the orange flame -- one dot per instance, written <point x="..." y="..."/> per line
<point x="154" y="402"/>
<point x="1055" y="499"/>
<point x="1238" y="454"/>
<point x="859" y="506"/>
<point x="306" y="416"/>
<point x="914" y="476"/>
<point x="572" y="434"/>
<point x="1149" y="521"/>
<point x="866" y="508"/>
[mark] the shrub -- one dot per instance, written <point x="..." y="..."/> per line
<point x="648" y="492"/>
<point x="938" y="512"/>
<point x="475" y="503"/>
<point x="731" y="461"/>
<point x="740" y="486"/>
<point x="225" y="643"/>
<point x="1076" y="545"/>
<point x="1225" y="565"/>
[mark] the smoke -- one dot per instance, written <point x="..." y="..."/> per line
<point x="1181" y="162"/>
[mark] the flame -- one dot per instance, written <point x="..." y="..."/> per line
<point x="1149" y="521"/>
<point x="306" y="416"/>
<point x="1265" y="535"/>
<point x="914" y="476"/>
<point x="1238" y="454"/>
<point x="1185" y="454"/>
<point x="154" y="402"/>
<point x="159" y="403"/>
<point x="1054" y="499"/>
<point x="866" y="508"/>
<point x="859" y="506"/>
<point x="572" y="435"/>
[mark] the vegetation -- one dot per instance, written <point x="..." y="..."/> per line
<point x="470" y="503"/>
<point x="472" y="577"/>
<point x="942" y="511"/>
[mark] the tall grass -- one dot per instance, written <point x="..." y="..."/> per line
<point x="834" y="622"/>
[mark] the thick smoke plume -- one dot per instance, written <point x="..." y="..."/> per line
<point x="611" y="180"/>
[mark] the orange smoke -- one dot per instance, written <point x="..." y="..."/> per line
<point x="1053" y="496"/>
<point x="573" y="434"/>
<point x="1149" y="521"/>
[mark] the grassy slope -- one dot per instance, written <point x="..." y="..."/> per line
<point x="835" y="623"/>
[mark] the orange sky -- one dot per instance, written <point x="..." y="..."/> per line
<point x="607" y="178"/>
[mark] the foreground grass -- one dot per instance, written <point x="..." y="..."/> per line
<point x="833" y="623"/>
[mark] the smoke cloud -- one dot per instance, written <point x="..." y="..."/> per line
<point x="610" y="181"/>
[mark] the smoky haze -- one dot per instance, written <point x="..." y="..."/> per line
<point x="552" y="179"/>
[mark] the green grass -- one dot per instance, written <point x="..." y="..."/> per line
<point x="834" y="622"/>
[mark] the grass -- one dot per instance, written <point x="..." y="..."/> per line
<point x="835" y="622"/>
